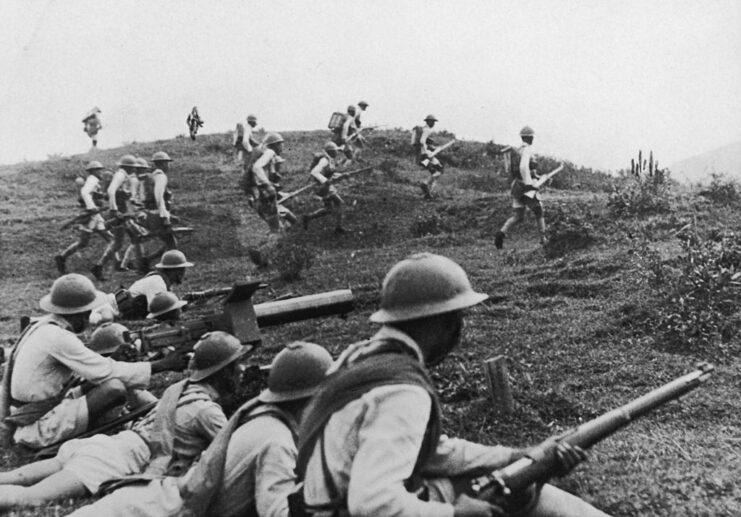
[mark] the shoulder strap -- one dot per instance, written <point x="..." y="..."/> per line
<point x="163" y="430"/>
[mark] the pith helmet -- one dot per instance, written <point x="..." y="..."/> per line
<point x="141" y="163"/>
<point x="331" y="146"/>
<point x="527" y="131"/>
<point x="214" y="351"/>
<point x="72" y="294"/>
<point x="363" y="104"/>
<point x="164" y="302"/>
<point x="273" y="138"/>
<point x="173" y="259"/>
<point x="161" y="156"/>
<point x="424" y="285"/>
<point x="107" y="338"/>
<point x="94" y="165"/>
<point x="351" y="109"/>
<point x="431" y="117"/>
<point x="251" y="118"/>
<point x="296" y="372"/>
<point x="127" y="160"/>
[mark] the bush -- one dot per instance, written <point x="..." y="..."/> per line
<point x="641" y="196"/>
<point x="430" y="224"/>
<point x="291" y="260"/>
<point x="722" y="191"/>
<point x="568" y="231"/>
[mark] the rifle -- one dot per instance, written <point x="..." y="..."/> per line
<point x="240" y="318"/>
<point x="211" y="293"/>
<point x="541" y="181"/>
<point x="542" y="463"/>
<point x="345" y="175"/>
<point x="81" y="218"/>
<point x="295" y="193"/>
<point x="440" y="149"/>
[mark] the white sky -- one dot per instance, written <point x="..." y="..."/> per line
<point x="596" y="79"/>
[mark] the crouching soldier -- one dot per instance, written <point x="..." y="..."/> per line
<point x="168" y="439"/>
<point x="370" y="442"/>
<point x="323" y="173"/>
<point x="249" y="467"/>
<point x="38" y="403"/>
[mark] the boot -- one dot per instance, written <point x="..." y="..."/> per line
<point x="499" y="240"/>
<point x="60" y="262"/>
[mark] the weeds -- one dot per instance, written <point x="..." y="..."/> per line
<point x="722" y="191"/>
<point x="291" y="260"/>
<point x="432" y="224"/>
<point x="568" y="231"/>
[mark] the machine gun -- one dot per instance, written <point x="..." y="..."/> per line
<point x="212" y="293"/>
<point x="542" y="463"/>
<point x="240" y="317"/>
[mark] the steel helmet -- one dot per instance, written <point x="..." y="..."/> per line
<point x="296" y="372"/>
<point x="107" y="338"/>
<point x="331" y="146"/>
<point x="273" y="138"/>
<point x="94" y="165"/>
<point x="72" y="294"/>
<point x="251" y="118"/>
<point x="173" y="259"/>
<point x="141" y="163"/>
<point x="213" y="352"/>
<point x="161" y="156"/>
<point x="424" y="285"/>
<point x="363" y="104"/>
<point x="431" y="117"/>
<point x="164" y="302"/>
<point x="527" y="131"/>
<point x="351" y="109"/>
<point x="127" y="160"/>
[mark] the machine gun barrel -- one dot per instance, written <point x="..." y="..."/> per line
<point x="304" y="307"/>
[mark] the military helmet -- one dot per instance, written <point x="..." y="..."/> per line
<point x="363" y="104"/>
<point x="164" y="302"/>
<point x="424" y="285"/>
<point x="173" y="259"/>
<point x="273" y="138"/>
<point x="296" y="372"/>
<point x="108" y="338"/>
<point x="431" y="117"/>
<point x="527" y="131"/>
<point x="213" y="352"/>
<point x="94" y="165"/>
<point x="72" y="294"/>
<point x="251" y="118"/>
<point x="127" y="160"/>
<point x="331" y="146"/>
<point x="161" y="156"/>
<point x="141" y="163"/>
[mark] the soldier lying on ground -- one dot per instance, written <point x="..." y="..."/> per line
<point x="168" y="439"/>
<point x="38" y="405"/>
<point x="370" y="441"/>
<point x="249" y="467"/>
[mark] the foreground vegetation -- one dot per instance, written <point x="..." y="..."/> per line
<point x="638" y="282"/>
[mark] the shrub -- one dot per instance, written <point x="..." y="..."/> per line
<point x="722" y="191"/>
<point x="568" y="231"/>
<point x="640" y="196"/>
<point x="430" y="224"/>
<point x="291" y="260"/>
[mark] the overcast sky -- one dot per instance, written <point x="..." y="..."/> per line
<point x="597" y="80"/>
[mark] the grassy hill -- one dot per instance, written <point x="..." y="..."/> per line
<point x="601" y="315"/>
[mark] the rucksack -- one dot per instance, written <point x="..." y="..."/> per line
<point x="512" y="163"/>
<point x="416" y="136"/>
<point x="337" y="120"/>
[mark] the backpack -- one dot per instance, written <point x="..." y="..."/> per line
<point x="238" y="135"/>
<point x="336" y="121"/>
<point x="416" y="136"/>
<point x="247" y="181"/>
<point x="512" y="163"/>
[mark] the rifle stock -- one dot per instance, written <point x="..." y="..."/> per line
<point x="542" y="464"/>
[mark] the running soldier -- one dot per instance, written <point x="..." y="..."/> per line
<point x="343" y="135"/>
<point x="92" y="125"/>
<point x="245" y="141"/>
<point x="425" y="146"/>
<point x="523" y="191"/>
<point x="256" y="181"/>
<point x="90" y="195"/>
<point x="40" y="403"/>
<point x="371" y="442"/>
<point x="122" y="187"/>
<point x="194" y="122"/>
<point x="156" y="202"/>
<point x="322" y="172"/>
<point x="190" y="409"/>
<point x="359" y="140"/>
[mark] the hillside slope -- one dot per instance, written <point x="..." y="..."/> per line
<point x="566" y="323"/>
<point x="724" y="160"/>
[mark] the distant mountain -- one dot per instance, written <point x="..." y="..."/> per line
<point x="725" y="160"/>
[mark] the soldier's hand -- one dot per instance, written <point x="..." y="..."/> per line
<point x="175" y="361"/>
<point x="569" y="456"/>
<point x="166" y="221"/>
<point x="466" y="506"/>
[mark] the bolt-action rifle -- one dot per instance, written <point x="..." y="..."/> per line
<point x="212" y="293"/>
<point x="303" y="189"/>
<point x="542" y="463"/>
<point x="441" y="149"/>
<point x="240" y="317"/>
<point x="81" y="218"/>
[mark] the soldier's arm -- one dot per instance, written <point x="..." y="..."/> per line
<point x="86" y="192"/>
<point x="261" y="175"/>
<point x="160" y="186"/>
<point x="316" y="172"/>
<point x="527" y="153"/>
<point x="116" y="182"/>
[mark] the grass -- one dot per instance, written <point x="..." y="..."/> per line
<point x="561" y="321"/>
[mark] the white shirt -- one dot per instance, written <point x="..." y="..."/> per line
<point x="160" y="187"/>
<point x="261" y="168"/>
<point x="86" y="192"/>
<point x="426" y="132"/>
<point x="121" y="179"/>
<point x="526" y="155"/>
<point x="324" y="163"/>
<point x="372" y="444"/>
<point x="149" y="286"/>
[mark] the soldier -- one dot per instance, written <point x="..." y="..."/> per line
<point x="343" y="135"/>
<point x="256" y="181"/>
<point x="194" y="122"/>
<point x="249" y="467"/>
<point x="425" y="147"/>
<point x="189" y="408"/>
<point x="165" y="307"/>
<point x="45" y="361"/>
<point x="362" y="106"/>
<point x="246" y="143"/>
<point x="94" y="224"/>
<point x="92" y="125"/>
<point x="132" y="303"/>
<point x="523" y="192"/>
<point x="156" y="201"/>
<point x="370" y="441"/>
<point x="322" y="171"/>
<point x="122" y="187"/>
